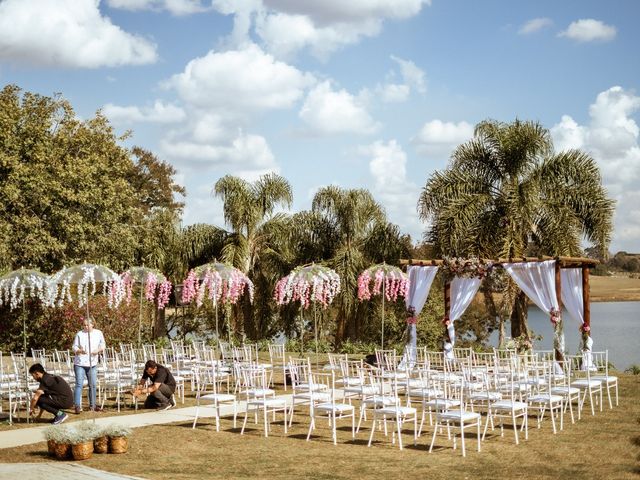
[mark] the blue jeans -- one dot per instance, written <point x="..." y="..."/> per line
<point x="82" y="373"/>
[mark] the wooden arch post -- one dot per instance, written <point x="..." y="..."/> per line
<point x="447" y="308"/>
<point x="586" y="308"/>
<point x="558" y="280"/>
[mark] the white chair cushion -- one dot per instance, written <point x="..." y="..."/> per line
<point x="337" y="407"/>
<point x="584" y="383"/>
<point x="508" y="405"/>
<point x="402" y="411"/>
<point x="220" y="397"/>
<point x="457" y="415"/>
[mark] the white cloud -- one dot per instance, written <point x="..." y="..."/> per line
<point x="589" y="30"/>
<point x="286" y="27"/>
<point x="244" y="152"/>
<point x="67" y="33"/>
<point x="392" y="188"/>
<point x="175" y="7"/>
<point x="612" y="138"/>
<point x="284" y="35"/>
<point x="327" y="111"/>
<point x="412" y="75"/>
<point x="393" y="92"/>
<point x="337" y="11"/>
<point x="240" y="82"/>
<point x="535" y="25"/>
<point x="159" y="113"/>
<point x="438" y="139"/>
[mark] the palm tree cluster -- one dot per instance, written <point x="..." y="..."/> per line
<point x="507" y="193"/>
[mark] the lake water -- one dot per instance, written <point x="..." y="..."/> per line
<point x="615" y="326"/>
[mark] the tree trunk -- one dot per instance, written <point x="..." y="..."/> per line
<point x="160" y="324"/>
<point x="519" y="316"/>
<point x="340" y="328"/>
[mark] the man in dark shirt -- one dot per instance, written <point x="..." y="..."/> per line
<point x="161" y="389"/>
<point x="53" y="394"/>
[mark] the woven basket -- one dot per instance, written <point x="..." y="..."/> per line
<point x="62" y="451"/>
<point x="82" y="451"/>
<point x="51" y="447"/>
<point x="101" y="445"/>
<point x="118" y="444"/>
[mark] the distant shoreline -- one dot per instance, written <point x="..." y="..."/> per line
<point x="614" y="289"/>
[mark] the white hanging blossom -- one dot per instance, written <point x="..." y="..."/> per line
<point x="16" y="285"/>
<point x="86" y="277"/>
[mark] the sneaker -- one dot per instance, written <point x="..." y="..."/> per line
<point x="78" y="409"/>
<point x="60" y="418"/>
<point x="96" y="409"/>
<point x="172" y="401"/>
<point x="165" y="407"/>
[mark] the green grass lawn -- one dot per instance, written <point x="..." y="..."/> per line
<point x="605" y="446"/>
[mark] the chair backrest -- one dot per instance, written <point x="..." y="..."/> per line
<point x="599" y="362"/>
<point x="299" y="371"/>
<point x="334" y="360"/>
<point x="277" y="354"/>
<point x="387" y="360"/>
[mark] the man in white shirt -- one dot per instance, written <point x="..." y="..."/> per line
<point x="88" y="340"/>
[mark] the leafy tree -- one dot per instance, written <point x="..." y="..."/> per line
<point x="360" y="236"/>
<point x="506" y="189"/>
<point x="249" y="211"/>
<point x="69" y="192"/>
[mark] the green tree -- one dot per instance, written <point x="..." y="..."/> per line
<point x="506" y="190"/>
<point x="360" y="236"/>
<point x="68" y="191"/>
<point x="249" y="211"/>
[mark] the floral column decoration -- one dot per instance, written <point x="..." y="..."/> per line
<point x="385" y="280"/>
<point x="308" y="284"/>
<point x="219" y="282"/>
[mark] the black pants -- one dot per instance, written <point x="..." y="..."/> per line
<point x="161" y="397"/>
<point x="52" y="404"/>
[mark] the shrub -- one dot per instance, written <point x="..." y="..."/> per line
<point x="633" y="370"/>
<point x="117" y="430"/>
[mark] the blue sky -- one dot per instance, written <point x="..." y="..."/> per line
<point x="362" y="93"/>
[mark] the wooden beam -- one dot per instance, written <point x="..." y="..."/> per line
<point x="425" y="263"/>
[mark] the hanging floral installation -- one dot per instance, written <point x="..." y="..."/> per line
<point x="156" y="286"/>
<point x="466" y="267"/>
<point x="313" y="283"/>
<point x="23" y="283"/>
<point x="219" y="282"/>
<point x="86" y="277"/>
<point x="585" y="331"/>
<point x="381" y="277"/>
<point x="558" y="338"/>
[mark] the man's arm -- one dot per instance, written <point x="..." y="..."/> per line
<point x="34" y="400"/>
<point x="77" y="348"/>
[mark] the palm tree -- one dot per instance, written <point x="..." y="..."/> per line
<point x="507" y="191"/>
<point x="354" y="216"/>
<point x="249" y="212"/>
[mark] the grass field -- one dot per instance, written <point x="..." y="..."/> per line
<point x="604" y="446"/>
<point x="614" y="289"/>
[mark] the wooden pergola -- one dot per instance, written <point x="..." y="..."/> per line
<point x="561" y="262"/>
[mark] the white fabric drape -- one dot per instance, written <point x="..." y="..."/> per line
<point x="462" y="292"/>
<point x="537" y="280"/>
<point x="571" y="281"/>
<point x="420" y="280"/>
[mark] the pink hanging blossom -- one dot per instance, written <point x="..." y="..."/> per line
<point x="217" y="282"/>
<point x="314" y="283"/>
<point x="395" y="282"/>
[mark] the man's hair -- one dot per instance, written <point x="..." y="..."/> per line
<point x="150" y="364"/>
<point x="36" y="367"/>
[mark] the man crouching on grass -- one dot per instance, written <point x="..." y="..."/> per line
<point x="161" y="389"/>
<point x="53" y="394"/>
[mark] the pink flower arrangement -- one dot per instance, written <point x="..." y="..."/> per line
<point x="446" y="322"/>
<point x="466" y="267"/>
<point x="313" y="283"/>
<point x="555" y="316"/>
<point x="152" y="282"/>
<point x="584" y="328"/>
<point x="217" y="282"/>
<point x="387" y="277"/>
